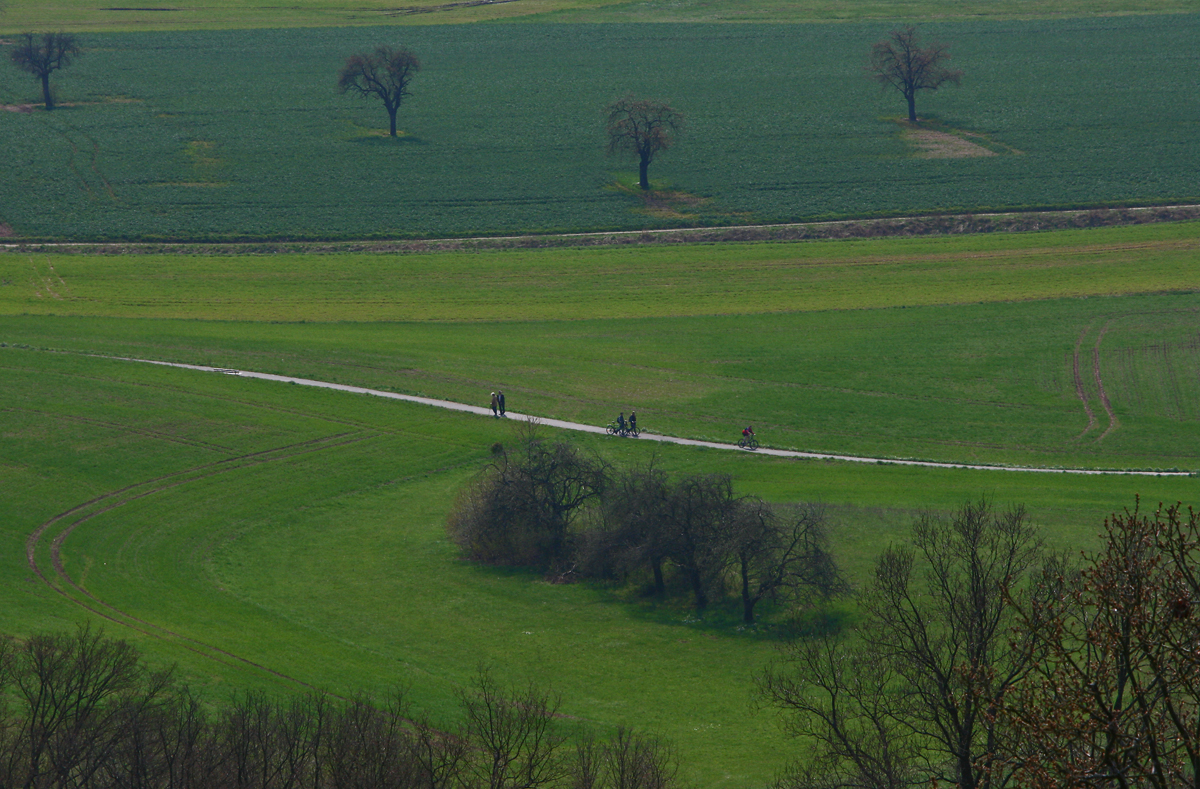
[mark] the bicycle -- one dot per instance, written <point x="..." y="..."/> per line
<point x="625" y="431"/>
<point x="748" y="442"/>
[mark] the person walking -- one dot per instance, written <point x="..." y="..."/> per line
<point x="495" y="405"/>
<point x="501" y="399"/>
<point x="633" y="422"/>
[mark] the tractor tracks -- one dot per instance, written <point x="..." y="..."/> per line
<point x="60" y="527"/>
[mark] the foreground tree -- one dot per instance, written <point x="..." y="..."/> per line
<point x="1115" y="700"/>
<point x="41" y="55"/>
<point x="910" y="699"/>
<point x="384" y="73"/>
<point x="643" y="127"/>
<point x="899" y="62"/>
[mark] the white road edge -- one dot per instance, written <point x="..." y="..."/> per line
<point x="558" y="423"/>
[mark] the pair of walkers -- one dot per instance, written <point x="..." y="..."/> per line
<point x="631" y="426"/>
<point x="497" y="403"/>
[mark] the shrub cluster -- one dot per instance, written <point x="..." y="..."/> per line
<point x="83" y="711"/>
<point x="549" y="505"/>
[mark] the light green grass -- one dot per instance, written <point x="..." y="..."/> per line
<point x="553" y="284"/>
<point x="954" y="349"/>
<point x="19" y="15"/>
<point x="330" y="567"/>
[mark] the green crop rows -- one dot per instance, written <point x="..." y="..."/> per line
<point x="242" y="133"/>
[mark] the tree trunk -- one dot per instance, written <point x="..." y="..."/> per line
<point x="698" y="589"/>
<point x="392" y="117"/>
<point x="912" y="107"/>
<point x="747" y="602"/>
<point x="46" y="97"/>
<point x="643" y="179"/>
<point x="659" y="587"/>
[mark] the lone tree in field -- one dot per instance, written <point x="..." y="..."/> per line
<point x="41" y="55"/>
<point x="385" y="73"/>
<point x="643" y="127"/>
<point x="899" y="62"/>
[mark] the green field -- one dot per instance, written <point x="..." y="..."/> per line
<point x="270" y="536"/>
<point x="956" y="349"/>
<point x="279" y="537"/>
<point x="19" y="15"/>
<point x="267" y="536"/>
<point x="242" y="134"/>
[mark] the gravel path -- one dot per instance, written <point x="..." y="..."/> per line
<point x="558" y="423"/>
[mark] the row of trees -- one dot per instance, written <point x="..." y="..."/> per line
<point x="643" y="127"/>
<point x="548" y="505"/>
<point x="646" y="127"/>
<point x="984" y="661"/>
<point x="83" y="711"/>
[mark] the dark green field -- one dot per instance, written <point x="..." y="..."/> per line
<point x="243" y="134"/>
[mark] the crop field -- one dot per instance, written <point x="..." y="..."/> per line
<point x="20" y="15"/>
<point x="242" y="134"/>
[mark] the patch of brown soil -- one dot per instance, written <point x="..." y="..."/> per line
<point x="6" y="230"/>
<point x="931" y="144"/>
<point x="25" y="108"/>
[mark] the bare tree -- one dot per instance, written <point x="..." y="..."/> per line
<point x="513" y="732"/>
<point x="78" y="695"/>
<point x="701" y="513"/>
<point x="644" y="127"/>
<point x="384" y="73"/>
<point x="520" y="510"/>
<point x="782" y="551"/>
<point x="634" y="530"/>
<point x="916" y="696"/>
<point x="41" y="55"/>
<point x="1116" y="699"/>
<point x="899" y="62"/>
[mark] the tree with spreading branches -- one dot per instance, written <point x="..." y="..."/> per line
<point x="644" y="127"/>
<point x="899" y="62"/>
<point x="41" y="55"/>
<point x="384" y="73"/>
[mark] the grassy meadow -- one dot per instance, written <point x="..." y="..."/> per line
<point x="268" y="536"/>
<point x="242" y="133"/>
<point x="265" y="536"/>
<point x="980" y="349"/>
<point x="261" y="535"/>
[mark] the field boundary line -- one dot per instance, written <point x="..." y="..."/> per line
<point x="595" y="429"/>
<point x="911" y="226"/>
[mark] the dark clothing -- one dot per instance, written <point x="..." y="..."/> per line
<point x="502" y="404"/>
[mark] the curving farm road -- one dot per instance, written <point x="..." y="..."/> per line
<point x="564" y="425"/>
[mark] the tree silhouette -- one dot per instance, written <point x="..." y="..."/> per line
<point x="899" y="62"/>
<point x="41" y="55"/>
<point x="384" y="73"/>
<point x="644" y="127"/>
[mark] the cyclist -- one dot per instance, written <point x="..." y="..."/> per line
<point x="747" y="432"/>
<point x="621" y="422"/>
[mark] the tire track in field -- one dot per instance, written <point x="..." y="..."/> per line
<point x="124" y="428"/>
<point x="1113" y="423"/>
<point x="1079" y="390"/>
<point x="140" y="490"/>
